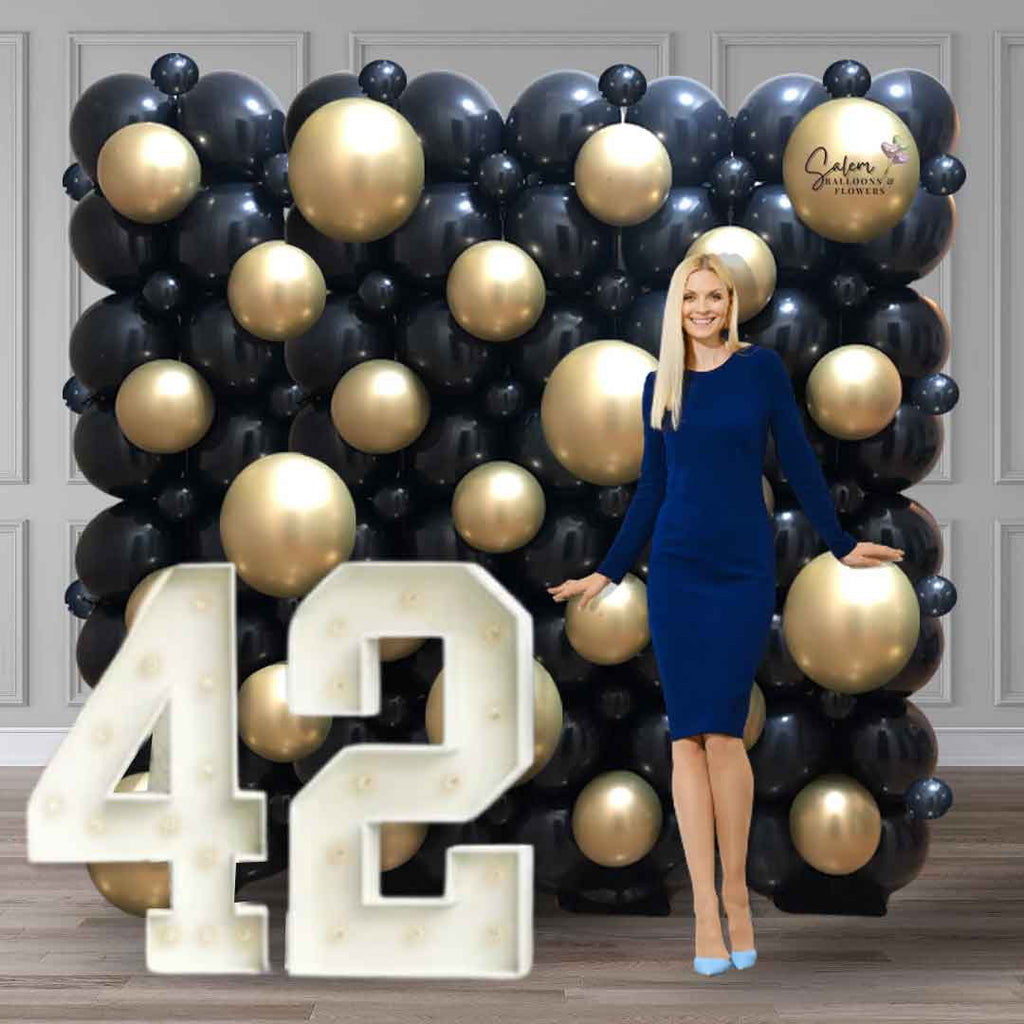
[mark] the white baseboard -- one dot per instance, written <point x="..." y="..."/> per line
<point x="959" y="746"/>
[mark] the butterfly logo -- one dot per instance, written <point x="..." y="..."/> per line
<point x="896" y="151"/>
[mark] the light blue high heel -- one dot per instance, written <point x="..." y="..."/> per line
<point x="711" y="964"/>
<point x="744" y="958"/>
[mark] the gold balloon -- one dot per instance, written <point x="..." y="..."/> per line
<point x="276" y="291"/>
<point x="148" y="172"/>
<point x="623" y="174"/>
<point x="133" y="886"/>
<point x="835" y="824"/>
<point x="498" y="506"/>
<point x="400" y="841"/>
<point x="267" y="725"/>
<point x="164" y="406"/>
<point x="380" y="406"/>
<point x="851" y="169"/>
<point x="356" y="169"/>
<point x="139" y="594"/>
<point x="749" y="260"/>
<point x="613" y="627"/>
<point x="394" y="648"/>
<point x="547" y="717"/>
<point x="854" y="392"/>
<point x="590" y="411"/>
<point x="495" y="291"/>
<point x="850" y="629"/>
<point x="756" y="712"/>
<point x="769" y="497"/>
<point x="286" y="521"/>
<point x="616" y="819"/>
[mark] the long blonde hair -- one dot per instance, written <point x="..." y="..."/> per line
<point x="668" y="379"/>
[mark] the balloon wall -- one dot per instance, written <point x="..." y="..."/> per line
<point x="393" y="323"/>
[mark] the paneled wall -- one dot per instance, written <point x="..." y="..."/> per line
<point x="50" y="53"/>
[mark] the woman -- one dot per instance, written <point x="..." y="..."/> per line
<point x="711" y="577"/>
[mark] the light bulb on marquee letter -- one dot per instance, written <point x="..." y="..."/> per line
<point x="338" y="923"/>
<point x="180" y="656"/>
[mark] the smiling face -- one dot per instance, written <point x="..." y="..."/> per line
<point x="705" y="305"/>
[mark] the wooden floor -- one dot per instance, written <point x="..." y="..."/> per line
<point x="951" y="949"/>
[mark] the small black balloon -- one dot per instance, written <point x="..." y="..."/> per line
<point x="274" y="179"/>
<point x="943" y="175"/>
<point x="936" y="595"/>
<point x="394" y="501"/>
<point x="286" y="399"/>
<point x="99" y="641"/>
<point x="179" y="501"/>
<point x="340" y="85"/>
<point x="846" y="78"/>
<point x="732" y="180"/>
<point x="343" y="263"/>
<point x="928" y="798"/>
<point x="847" y="288"/>
<point x="923" y="104"/>
<point x="115" y="252"/>
<point x="383" y="80"/>
<point x="165" y="292"/>
<point x="174" y="73"/>
<point x="379" y="293"/>
<point x="76" y="395"/>
<point x="937" y="393"/>
<point x="500" y="176"/>
<point x="78" y="600"/>
<point x="614" y="291"/>
<point x="503" y="400"/>
<point x="76" y="182"/>
<point x="622" y="84"/>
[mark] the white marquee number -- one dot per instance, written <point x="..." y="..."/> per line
<point x="338" y="923"/>
<point x="179" y="654"/>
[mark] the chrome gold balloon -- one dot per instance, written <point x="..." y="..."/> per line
<point x="356" y="169"/>
<point x="498" y="506"/>
<point x="547" y="718"/>
<point x="276" y="291"/>
<point x="148" y="172"/>
<point x="748" y="259"/>
<point x="394" y="648"/>
<point x="616" y="819"/>
<point x="380" y="406"/>
<point x="850" y="629"/>
<point x="613" y="627"/>
<point x="623" y="174"/>
<point x="139" y="594"/>
<point x="835" y="824"/>
<point x="854" y="392"/>
<point x="851" y="169"/>
<point x="754" y="724"/>
<point x="400" y="841"/>
<point x="164" y="406"/>
<point x="267" y="725"/>
<point x="133" y="886"/>
<point x="495" y="291"/>
<point x="286" y="521"/>
<point x="590" y="411"/>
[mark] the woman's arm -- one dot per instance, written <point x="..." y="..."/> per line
<point x="799" y="461"/>
<point x="636" y="528"/>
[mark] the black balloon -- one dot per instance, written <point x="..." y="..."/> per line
<point x="77" y="184"/>
<point x="797" y="325"/>
<point x="286" y="399"/>
<point x="557" y="859"/>
<point x="452" y="444"/>
<point x="732" y="180"/>
<point x="76" y="395"/>
<point x="569" y="545"/>
<point x="646" y="748"/>
<point x="457" y="120"/>
<point x="174" y="73"/>
<point x="99" y="640"/>
<point x="778" y="674"/>
<point x="234" y="123"/>
<point x="115" y="252"/>
<point x="937" y="393"/>
<point x="768" y="116"/>
<point x="431" y="536"/>
<point x="340" y="85"/>
<point x="236" y="438"/>
<point x="179" y="500"/>
<point x="78" y="600"/>
<point x="909" y="328"/>
<point x="900" y="522"/>
<point x="165" y="293"/>
<point x="111" y="338"/>
<point x="900" y="455"/>
<point x="793" y="748"/>
<point x="923" y="663"/>
<point x="344" y="733"/>
<point x="110" y="104"/>
<point x="928" y="798"/>
<point x="343" y="264"/>
<point x="799" y="252"/>
<point x="120" y="546"/>
<point x="846" y="78"/>
<point x="259" y="636"/>
<point x="936" y="594"/>
<point x="772" y="860"/>
<point x="552" y="649"/>
<point x="614" y="291"/>
<point x="530" y="449"/>
<point x="691" y="123"/>
<point x="943" y="175"/>
<point x="575" y="759"/>
<point x="503" y="400"/>
<point x="922" y="102"/>
<point x="379" y="294"/>
<point x="500" y="176"/>
<point x="394" y="502"/>
<point x="901" y="853"/>
<point x="552" y="118"/>
<point x="383" y="80"/>
<point x="622" y="84"/>
<point x="847" y="288"/>
<point x="274" y="179"/>
<point x="641" y="324"/>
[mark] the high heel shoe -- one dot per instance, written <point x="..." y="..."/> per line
<point x="711" y="964"/>
<point x="743" y="958"/>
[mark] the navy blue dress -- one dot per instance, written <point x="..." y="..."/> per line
<point x="711" y="573"/>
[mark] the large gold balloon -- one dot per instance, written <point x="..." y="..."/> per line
<point x="835" y="824"/>
<point x="590" y="411"/>
<point x="498" y="506"/>
<point x="495" y="290"/>
<point x="547" y="718"/>
<point x="267" y="725"/>
<point x="164" y="406"/>
<point x="850" y="629"/>
<point x="286" y="521"/>
<point x="748" y="259"/>
<point x="623" y="174"/>
<point x="400" y="841"/>
<point x="756" y="711"/>
<point x="613" y="627"/>
<point x="380" y="406"/>
<point x="133" y="886"/>
<point x="851" y="169"/>
<point x="276" y="291"/>
<point x="616" y="819"/>
<point x="148" y="172"/>
<point x="854" y="392"/>
<point x="356" y="169"/>
<point x="140" y="593"/>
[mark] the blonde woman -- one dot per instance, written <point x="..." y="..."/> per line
<point x="711" y="576"/>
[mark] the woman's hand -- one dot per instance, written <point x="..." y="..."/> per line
<point x="590" y="586"/>
<point x="868" y="553"/>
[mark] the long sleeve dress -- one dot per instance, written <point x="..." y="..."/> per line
<point x="711" y="576"/>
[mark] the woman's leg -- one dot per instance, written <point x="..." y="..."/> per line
<point x="691" y="794"/>
<point x="732" y="788"/>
